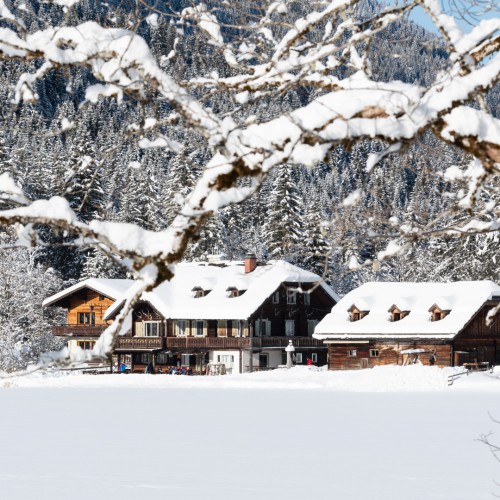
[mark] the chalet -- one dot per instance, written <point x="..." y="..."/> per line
<point x="87" y="303"/>
<point x="400" y="323"/>
<point x="240" y="314"/>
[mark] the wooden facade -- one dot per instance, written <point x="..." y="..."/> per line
<point x="85" y="316"/>
<point x="352" y="356"/>
<point x="152" y="338"/>
<point x="199" y="337"/>
<point x="475" y="343"/>
<point x="478" y="342"/>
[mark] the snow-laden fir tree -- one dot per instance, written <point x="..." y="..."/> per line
<point x="283" y="224"/>
<point x="25" y="327"/>
<point x="316" y="250"/>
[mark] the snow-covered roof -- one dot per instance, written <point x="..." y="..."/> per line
<point x="112" y="288"/>
<point x="175" y="299"/>
<point x="462" y="298"/>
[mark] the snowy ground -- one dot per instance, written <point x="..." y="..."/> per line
<point x="386" y="433"/>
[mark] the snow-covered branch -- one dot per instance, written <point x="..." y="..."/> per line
<point x="324" y="51"/>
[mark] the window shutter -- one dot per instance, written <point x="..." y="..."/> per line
<point x="138" y="329"/>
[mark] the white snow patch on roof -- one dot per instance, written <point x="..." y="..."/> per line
<point x="174" y="299"/>
<point x="462" y="298"/>
<point x="112" y="288"/>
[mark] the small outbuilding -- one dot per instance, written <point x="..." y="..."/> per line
<point x="443" y="324"/>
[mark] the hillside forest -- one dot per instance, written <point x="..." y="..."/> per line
<point x="329" y="219"/>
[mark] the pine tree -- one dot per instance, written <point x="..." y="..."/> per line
<point x="316" y="248"/>
<point x="25" y="327"/>
<point x="283" y="224"/>
<point x="98" y="265"/>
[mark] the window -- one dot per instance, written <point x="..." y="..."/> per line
<point x="263" y="328"/>
<point x="374" y="353"/>
<point x="240" y="328"/>
<point x="163" y="358"/>
<point x="227" y="359"/>
<point x="314" y="357"/>
<point x="311" y="325"/>
<point x="185" y="359"/>
<point x="352" y="353"/>
<point x="289" y="327"/>
<point x="232" y="292"/>
<point x="200" y="328"/>
<point x="266" y="328"/>
<point x="355" y="314"/>
<point x="437" y="313"/>
<point x="291" y="296"/>
<point x="198" y="292"/>
<point x="181" y="328"/>
<point x="222" y="328"/>
<point x="151" y="328"/>
<point x="85" y="344"/>
<point x="86" y="318"/>
<point x="276" y="297"/>
<point x="307" y="299"/>
<point x="101" y="297"/>
<point x="145" y="358"/>
<point x="398" y="314"/>
<point x="298" y="358"/>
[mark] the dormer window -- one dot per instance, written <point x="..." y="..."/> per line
<point x="198" y="292"/>
<point x="355" y="313"/>
<point x="232" y="291"/>
<point x="437" y="313"/>
<point x="397" y="313"/>
<point x="291" y="296"/>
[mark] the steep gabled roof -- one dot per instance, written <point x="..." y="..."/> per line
<point x="111" y="288"/>
<point x="463" y="299"/>
<point x="174" y="299"/>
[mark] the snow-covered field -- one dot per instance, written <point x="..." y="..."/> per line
<point x="385" y="433"/>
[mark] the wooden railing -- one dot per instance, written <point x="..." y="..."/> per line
<point x="259" y="342"/>
<point x="239" y="342"/>
<point x="78" y="330"/>
<point x="141" y="343"/>
<point x="208" y="342"/>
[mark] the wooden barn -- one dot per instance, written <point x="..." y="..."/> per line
<point x="404" y="323"/>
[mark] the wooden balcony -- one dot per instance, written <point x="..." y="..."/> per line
<point x="78" y="330"/>
<point x="240" y="342"/>
<point x="208" y="343"/>
<point x="282" y="342"/>
<point x="140" y="343"/>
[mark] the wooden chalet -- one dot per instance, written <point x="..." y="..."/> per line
<point x="240" y="314"/>
<point x="403" y="323"/>
<point x="87" y="303"/>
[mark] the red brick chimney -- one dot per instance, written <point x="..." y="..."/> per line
<point x="250" y="262"/>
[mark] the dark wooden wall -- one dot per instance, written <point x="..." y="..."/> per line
<point x="480" y="341"/>
<point x="144" y="312"/>
<point x="320" y="305"/>
<point x="390" y="354"/>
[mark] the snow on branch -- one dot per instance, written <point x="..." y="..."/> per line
<point x="325" y="49"/>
